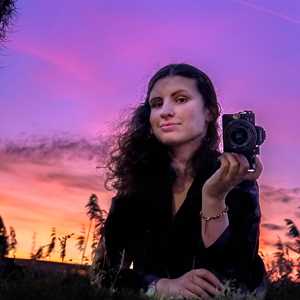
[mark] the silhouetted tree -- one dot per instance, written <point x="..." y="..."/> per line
<point x="43" y="251"/>
<point x="93" y="212"/>
<point x="283" y="264"/>
<point x="7" y="12"/>
<point x="63" y="245"/>
<point x="81" y="241"/>
<point x="12" y="241"/>
<point x="3" y="240"/>
<point x="99" y="222"/>
<point x="94" y="241"/>
<point x="39" y="253"/>
<point x="293" y="233"/>
<point x="51" y="245"/>
<point x="32" y="252"/>
<point x="295" y="247"/>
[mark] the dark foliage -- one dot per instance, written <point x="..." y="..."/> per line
<point x="12" y="241"/>
<point x="284" y="289"/>
<point x="98" y="216"/>
<point x="293" y="230"/>
<point x="71" y="285"/>
<point x="32" y="284"/>
<point x="3" y="239"/>
<point x="7" y="13"/>
<point x="51" y="245"/>
<point x="63" y="245"/>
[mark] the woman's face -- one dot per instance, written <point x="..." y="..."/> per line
<point x="176" y="99"/>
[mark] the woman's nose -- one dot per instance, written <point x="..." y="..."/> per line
<point x="166" y="110"/>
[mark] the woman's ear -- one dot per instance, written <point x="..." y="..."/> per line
<point x="208" y="116"/>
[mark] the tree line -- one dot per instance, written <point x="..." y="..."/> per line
<point x="282" y="266"/>
<point x="96" y="216"/>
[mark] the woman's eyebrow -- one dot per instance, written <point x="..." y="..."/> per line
<point x="173" y="94"/>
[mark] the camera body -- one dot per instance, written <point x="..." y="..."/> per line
<point x="241" y="135"/>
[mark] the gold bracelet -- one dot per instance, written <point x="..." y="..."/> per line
<point x="223" y="212"/>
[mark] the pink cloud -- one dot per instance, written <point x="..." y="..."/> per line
<point x="66" y="61"/>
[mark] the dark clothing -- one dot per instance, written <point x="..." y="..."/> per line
<point x="163" y="246"/>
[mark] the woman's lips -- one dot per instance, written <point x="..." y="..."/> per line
<point x="168" y="127"/>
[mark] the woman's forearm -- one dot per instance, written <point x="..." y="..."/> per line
<point x="212" y="229"/>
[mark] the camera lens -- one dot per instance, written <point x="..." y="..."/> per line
<point x="239" y="136"/>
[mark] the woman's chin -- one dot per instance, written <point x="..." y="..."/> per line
<point x="171" y="141"/>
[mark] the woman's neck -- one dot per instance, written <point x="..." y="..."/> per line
<point x="181" y="156"/>
<point x="182" y="170"/>
<point x="183" y="173"/>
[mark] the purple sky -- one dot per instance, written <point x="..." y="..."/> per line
<point x="70" y="69"/>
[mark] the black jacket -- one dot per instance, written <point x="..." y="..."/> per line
<point x="140" y="229"/>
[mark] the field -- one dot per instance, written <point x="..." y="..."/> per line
<point x="28" y="279"/>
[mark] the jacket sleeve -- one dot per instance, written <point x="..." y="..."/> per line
<point x="240" y="240"/>
<point x="113" y="256"/>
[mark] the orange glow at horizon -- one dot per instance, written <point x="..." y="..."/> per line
<point x="38" y="194"/>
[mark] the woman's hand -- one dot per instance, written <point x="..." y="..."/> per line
<point x="233" y="170"/>
<point x="197" y="284"/>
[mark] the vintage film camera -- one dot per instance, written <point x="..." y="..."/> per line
<point x="241" y="135"/>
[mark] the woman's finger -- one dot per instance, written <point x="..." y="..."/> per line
<point x="200" y="284"/>
<point x="234" y="166"/>
<point x="258" y="170"/>
<point x="244" y="164"/>
<point x="209" y="276"/>
<point x="189" y="293"/>
<point x="225" y="164"/>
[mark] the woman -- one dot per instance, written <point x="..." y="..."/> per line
<point x="186" y="225"/>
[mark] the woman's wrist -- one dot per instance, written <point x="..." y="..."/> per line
<point x="213" y="195"/>
<point x="212" y="207"/>
<point x="161" y="286"/>
<point x="212" y="203"/>
<point x="152" y="287"/>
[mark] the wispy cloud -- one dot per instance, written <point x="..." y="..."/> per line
<point x="284" y="195"/>
<point x="47" y="149"/>
<point x="66" y="61"/>
<point x="54" y="166"/>
<point x="277" y="204"/>
<point x="88" y="182"/>
<point x="47" y="180"/>
<point x="268" y="11"/>
<point x="272" y="226"/>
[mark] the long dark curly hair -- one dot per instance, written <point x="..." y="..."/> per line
<point x="138" y="160"/>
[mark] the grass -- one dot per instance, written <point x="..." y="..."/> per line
<point x="73" y="284"/>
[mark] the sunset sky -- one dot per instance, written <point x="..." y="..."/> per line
<point x="69" y="71"/>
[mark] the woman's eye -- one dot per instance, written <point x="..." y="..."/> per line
<point x="181" y="99"/>
<point x="158" y="103"/>
<point x="154" y="104"/>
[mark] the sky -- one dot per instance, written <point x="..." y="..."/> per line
<point x="70" y="71"/>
